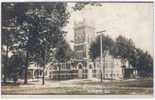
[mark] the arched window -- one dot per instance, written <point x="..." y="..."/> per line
<point x="90" y="66"/>
<point x="80" y="66"/>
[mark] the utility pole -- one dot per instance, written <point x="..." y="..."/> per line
<point x="45" y="55"/>
<point x="101" y="54"/>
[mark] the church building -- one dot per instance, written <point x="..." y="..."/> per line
<point x="81" y="66"/>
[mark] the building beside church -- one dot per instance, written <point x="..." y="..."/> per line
<point x="112" y="67"/>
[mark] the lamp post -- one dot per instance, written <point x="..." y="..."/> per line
<point x="101" y="53"/>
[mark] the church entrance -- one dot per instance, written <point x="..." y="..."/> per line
<point x="80" y="71"/>
<point x="90" y="71"/>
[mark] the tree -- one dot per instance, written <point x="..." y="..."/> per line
<point x="122" y="47"/>
<point x="40" y="26"/>
<point x="107" y="44"/>
<point x="63" y="52"/>
<point x="14" y="18"/>
<point x="51" y="33"/>
<point x="8" y="36"/>
<point x="80" y="5"/>
<point x="125" y="49"/>
<point x="144" y="63"/>
<point x="16" y="64"/>
<point x="25" y="34"/>
<point x="48" y="21"/>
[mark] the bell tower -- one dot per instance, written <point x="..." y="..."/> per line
<point x="84" y="34"/>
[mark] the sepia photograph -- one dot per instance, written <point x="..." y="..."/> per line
<point x="77" y="48"/>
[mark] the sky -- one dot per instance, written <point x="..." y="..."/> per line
<point x="131" y="20"/>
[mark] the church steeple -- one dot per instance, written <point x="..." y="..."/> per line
<point x="84" y="34"/>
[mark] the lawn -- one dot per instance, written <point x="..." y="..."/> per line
<point x="82" y="87"/>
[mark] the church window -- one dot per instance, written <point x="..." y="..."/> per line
<point x="90" y="66"/>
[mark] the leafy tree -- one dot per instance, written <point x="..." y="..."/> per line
<point x="14" y="18"/>
<point x="107" y="44"/>
<point x="144" y="63"/>
<point x="80" y="5"/>
<point x="8" y="36"/>
<point x="53" y="19"/>
<point x="25" y="34"/>
<point x="123" y="47"/>
<point x="63" y="52"/>
<point x="44" y="23"/>
<point x="15" y="66"/>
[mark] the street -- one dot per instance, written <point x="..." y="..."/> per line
<point x="82" y="87"/>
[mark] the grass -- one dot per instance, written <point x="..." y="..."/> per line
<point x="134" y="83"/>
<point x="84" y="87"/>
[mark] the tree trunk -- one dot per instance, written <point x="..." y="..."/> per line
<point x="6" y="64"/>
<point x="43" y="78"/>
<point x="59" y="77"/>
<point x="26" y="68"/>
